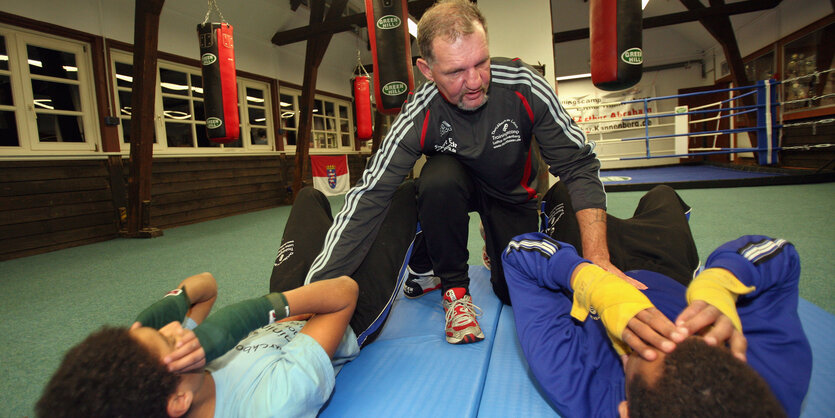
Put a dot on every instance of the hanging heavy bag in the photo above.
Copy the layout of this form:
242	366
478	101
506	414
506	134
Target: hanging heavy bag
362	107
220	88
392	53
615	33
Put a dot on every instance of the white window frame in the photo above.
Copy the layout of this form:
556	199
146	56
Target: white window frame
161	144
23	98
338	132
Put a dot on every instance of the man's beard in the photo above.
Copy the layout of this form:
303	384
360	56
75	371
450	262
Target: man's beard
462	106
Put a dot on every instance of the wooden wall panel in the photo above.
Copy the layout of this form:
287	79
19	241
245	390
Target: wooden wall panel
49	205
807	135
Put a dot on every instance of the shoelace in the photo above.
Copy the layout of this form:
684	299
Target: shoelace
470	310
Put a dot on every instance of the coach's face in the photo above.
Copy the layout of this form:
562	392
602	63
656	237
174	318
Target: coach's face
460	69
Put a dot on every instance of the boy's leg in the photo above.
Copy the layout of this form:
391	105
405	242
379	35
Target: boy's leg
304	236
656	238
379	273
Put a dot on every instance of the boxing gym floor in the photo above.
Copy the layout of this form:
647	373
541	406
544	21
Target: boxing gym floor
51	301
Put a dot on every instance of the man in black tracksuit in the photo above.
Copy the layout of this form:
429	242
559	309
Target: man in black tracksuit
479	159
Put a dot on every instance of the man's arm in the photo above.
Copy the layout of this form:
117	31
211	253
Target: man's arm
355	226
595	247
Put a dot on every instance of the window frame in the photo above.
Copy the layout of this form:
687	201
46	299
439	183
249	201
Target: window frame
337	119
23	106
161	142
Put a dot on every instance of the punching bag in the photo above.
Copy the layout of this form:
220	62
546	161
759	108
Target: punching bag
220	88
615	32
392	52
362	107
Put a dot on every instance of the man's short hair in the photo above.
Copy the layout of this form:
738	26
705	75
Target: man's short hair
449	19
108	374
700	380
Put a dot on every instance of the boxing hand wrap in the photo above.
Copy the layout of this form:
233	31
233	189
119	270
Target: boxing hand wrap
221	331
172	307
720	288
614	300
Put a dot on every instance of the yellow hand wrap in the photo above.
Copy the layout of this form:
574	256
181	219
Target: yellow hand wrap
614	300
720	288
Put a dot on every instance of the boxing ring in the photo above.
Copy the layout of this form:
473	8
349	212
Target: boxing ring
632	133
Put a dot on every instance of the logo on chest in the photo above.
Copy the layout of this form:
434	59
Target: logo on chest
505	132
449	145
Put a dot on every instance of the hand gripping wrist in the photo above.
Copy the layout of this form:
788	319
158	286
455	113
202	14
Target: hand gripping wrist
720	288
614	300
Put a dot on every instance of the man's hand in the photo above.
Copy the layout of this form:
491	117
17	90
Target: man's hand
188	354
608	266
650	328
700	315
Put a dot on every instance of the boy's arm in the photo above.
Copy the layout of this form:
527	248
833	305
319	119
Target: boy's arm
202	290
332	302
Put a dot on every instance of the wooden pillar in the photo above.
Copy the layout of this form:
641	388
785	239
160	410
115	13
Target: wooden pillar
146	39
316	48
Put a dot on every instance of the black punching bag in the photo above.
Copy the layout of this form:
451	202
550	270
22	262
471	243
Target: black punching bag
220	86
388	31
616	55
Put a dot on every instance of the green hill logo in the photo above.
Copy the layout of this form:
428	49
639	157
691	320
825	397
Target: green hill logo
214	123
633	56
389	22
395	88
208	59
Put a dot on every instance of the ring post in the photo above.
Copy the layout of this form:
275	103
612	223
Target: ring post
766	119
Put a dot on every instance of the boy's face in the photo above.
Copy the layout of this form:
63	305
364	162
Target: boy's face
161	342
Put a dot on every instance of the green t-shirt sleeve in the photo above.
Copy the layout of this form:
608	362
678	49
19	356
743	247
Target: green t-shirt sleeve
222	330
172	307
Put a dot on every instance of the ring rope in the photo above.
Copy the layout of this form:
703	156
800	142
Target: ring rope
816	74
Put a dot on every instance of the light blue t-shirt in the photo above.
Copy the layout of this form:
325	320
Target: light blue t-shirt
277	371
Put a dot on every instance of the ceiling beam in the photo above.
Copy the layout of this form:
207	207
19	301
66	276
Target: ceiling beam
343	24
682	17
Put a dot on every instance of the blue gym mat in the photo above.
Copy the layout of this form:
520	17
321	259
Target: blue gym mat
407	372
410	370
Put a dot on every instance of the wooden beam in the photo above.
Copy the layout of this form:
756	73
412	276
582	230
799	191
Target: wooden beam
681	17
316	48
146	40
339	24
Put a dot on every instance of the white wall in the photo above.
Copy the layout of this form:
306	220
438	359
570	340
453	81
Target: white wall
521	29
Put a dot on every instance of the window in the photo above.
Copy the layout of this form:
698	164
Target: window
46	94
333	125
801	61
180	114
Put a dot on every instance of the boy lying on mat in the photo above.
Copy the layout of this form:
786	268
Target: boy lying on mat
736	347
259	361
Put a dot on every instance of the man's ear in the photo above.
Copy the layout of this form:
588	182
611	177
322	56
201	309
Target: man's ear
425	69
179	402
623	409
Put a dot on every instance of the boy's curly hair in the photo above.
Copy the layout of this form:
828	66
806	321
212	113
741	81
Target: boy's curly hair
703	381
109	374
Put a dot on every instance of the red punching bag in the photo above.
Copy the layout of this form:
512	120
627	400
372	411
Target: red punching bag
220	88
362	107
615	33
392	53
